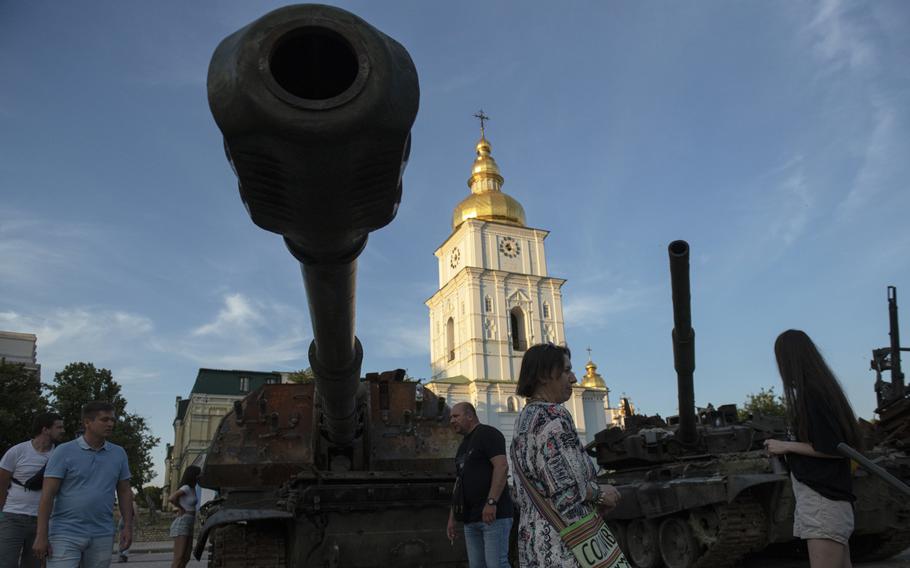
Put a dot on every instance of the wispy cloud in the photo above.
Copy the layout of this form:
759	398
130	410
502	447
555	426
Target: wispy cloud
838	39
237	312
882	160
34	250
66	335
791	214
248	333
594	309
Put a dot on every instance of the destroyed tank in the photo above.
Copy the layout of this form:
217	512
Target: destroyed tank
699	490
315	107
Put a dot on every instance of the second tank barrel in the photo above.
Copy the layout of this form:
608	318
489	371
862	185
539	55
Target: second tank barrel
683	339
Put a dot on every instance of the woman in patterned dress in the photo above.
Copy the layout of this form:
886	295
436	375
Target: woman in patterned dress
547	449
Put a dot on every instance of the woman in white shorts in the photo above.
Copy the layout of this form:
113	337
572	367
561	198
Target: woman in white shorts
820	418
182	527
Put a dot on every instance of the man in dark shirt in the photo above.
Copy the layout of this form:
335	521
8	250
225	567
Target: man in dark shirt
483	502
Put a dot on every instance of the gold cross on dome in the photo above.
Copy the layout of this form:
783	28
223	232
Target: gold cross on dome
481	117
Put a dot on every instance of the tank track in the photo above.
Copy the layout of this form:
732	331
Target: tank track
741	529
248	546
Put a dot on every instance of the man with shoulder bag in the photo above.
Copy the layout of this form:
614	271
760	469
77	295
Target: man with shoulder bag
21	477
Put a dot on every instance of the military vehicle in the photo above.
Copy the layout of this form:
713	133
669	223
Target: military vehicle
698	489
316	106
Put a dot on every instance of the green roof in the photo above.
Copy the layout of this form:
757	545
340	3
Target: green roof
218	381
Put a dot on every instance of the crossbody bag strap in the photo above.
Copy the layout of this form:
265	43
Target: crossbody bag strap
540	503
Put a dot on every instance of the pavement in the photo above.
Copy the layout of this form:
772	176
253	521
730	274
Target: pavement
159	555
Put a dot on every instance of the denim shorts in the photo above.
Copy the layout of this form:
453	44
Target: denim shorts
817	517
183	526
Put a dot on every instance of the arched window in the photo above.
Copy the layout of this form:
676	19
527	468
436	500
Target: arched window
450	339
517	321
513	406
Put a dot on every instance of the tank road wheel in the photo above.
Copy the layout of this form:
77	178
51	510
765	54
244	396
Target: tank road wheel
241	546
619	532
642	539
678	547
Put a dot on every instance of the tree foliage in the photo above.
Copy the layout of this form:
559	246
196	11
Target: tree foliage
79	383
765	402
302	376
22	400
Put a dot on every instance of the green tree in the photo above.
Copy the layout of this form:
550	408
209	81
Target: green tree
302	376
766	402
151	495
79	383
22	400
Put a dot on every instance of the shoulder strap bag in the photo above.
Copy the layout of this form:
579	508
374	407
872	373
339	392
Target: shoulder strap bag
589	539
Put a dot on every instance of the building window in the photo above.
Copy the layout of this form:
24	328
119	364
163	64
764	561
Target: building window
513	406
271	381
546	310
519	337
450	339
488	304
244	384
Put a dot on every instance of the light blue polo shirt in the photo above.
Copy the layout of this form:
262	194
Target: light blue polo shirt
85	503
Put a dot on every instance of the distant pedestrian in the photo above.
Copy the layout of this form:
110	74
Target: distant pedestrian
184	499
482	497
76	511
821	418
123	553
21	477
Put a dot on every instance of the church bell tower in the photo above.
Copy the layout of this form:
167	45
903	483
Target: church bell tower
495	299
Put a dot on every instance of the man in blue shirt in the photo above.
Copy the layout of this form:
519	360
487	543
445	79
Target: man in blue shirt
79	485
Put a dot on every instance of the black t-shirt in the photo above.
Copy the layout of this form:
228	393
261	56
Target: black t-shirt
472	465
830	477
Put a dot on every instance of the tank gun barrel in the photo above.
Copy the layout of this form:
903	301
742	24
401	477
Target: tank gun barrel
316	106
683	339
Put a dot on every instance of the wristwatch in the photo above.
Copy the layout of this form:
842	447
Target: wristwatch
491	501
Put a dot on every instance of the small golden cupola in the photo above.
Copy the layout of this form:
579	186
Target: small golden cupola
487	201
592	379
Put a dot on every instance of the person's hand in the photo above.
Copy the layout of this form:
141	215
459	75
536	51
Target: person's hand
489	514
42	548
179	511
126	538
609	498
450	529
776	447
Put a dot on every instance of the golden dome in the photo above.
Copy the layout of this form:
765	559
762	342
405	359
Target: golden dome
591	378
487	202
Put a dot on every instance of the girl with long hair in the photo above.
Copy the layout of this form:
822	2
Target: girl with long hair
820	418
184	499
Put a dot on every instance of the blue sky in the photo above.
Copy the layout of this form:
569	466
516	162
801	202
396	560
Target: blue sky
770	135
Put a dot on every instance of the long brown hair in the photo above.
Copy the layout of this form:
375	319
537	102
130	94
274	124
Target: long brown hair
805	376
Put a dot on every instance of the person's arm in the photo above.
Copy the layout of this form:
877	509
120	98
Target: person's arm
497	484
5	479
125	500
450	527
174	500
781	447
49	489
